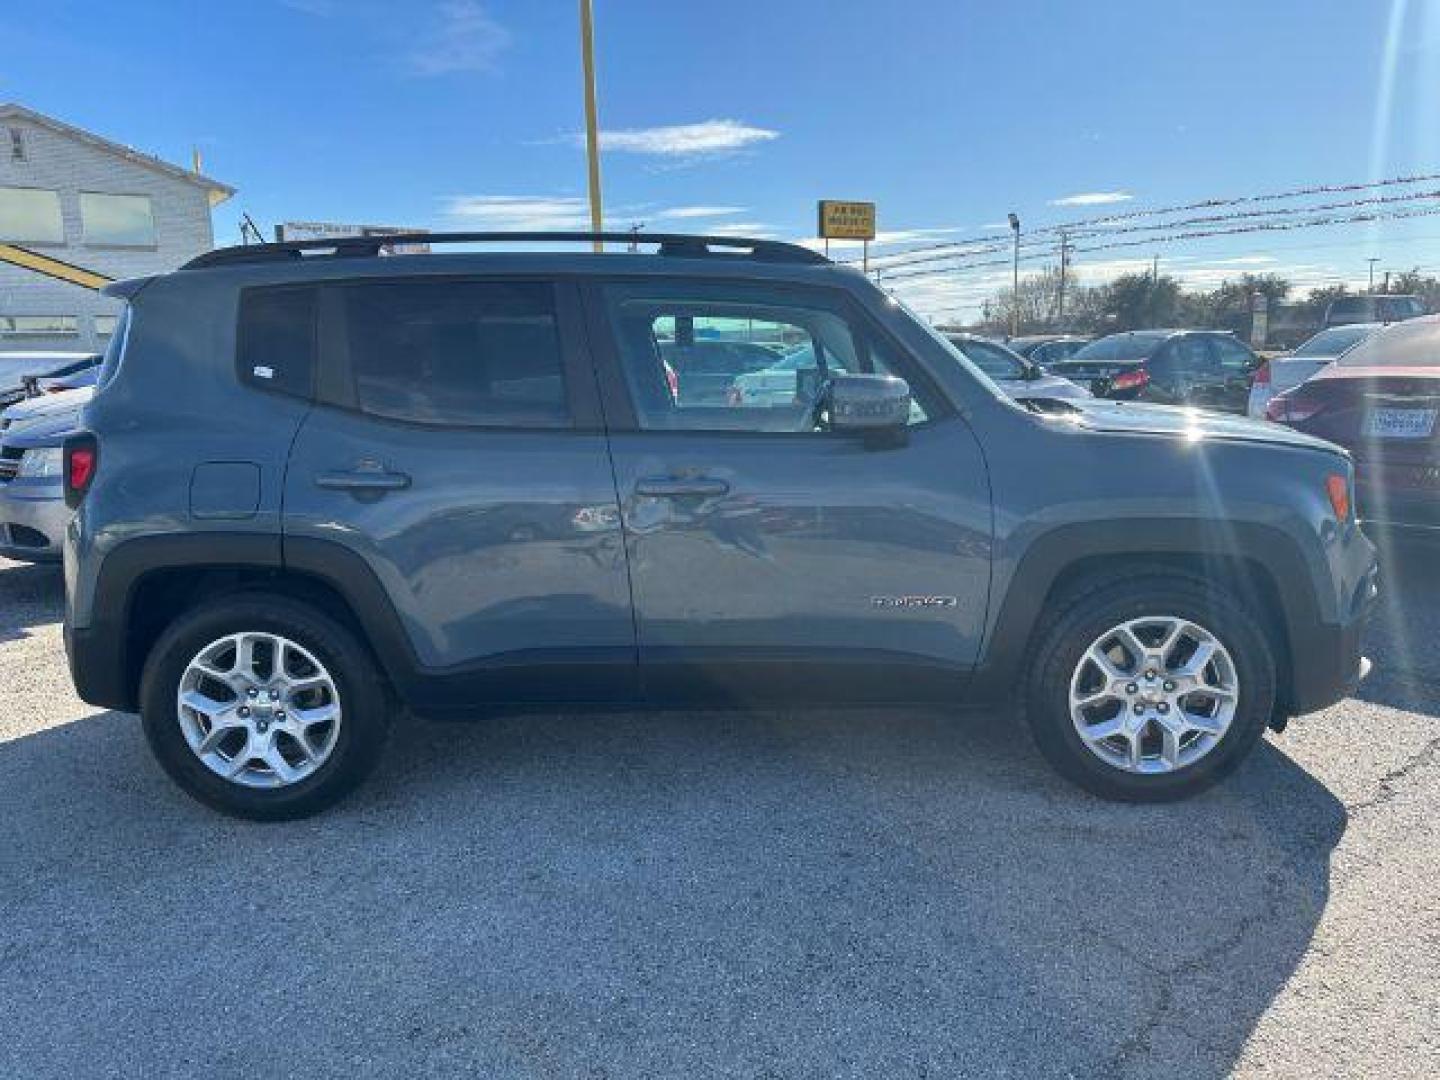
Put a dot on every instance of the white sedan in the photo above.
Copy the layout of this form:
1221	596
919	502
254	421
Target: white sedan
1289	371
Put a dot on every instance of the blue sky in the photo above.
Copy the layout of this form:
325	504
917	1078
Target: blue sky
738	115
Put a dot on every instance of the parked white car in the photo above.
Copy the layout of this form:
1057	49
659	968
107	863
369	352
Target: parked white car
1289	371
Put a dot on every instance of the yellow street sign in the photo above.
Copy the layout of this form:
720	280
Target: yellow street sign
847	220
44	264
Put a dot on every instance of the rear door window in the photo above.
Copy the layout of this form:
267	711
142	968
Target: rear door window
460	353
1235	359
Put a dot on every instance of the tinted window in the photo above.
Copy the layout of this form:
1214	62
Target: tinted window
736	358
457	352
1234	357
1193	355
276	339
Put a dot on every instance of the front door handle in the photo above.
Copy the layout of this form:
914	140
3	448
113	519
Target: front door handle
363	480
662	487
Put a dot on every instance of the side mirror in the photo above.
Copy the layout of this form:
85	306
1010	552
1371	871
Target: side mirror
868	404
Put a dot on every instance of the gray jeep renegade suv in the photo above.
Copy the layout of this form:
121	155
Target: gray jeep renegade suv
318	487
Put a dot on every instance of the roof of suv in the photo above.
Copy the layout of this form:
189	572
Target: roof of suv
367	256
672	245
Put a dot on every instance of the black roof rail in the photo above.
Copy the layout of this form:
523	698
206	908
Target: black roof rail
673	244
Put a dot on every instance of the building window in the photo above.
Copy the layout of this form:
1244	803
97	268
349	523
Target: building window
39	325
17	144
105	325
31	214
123	220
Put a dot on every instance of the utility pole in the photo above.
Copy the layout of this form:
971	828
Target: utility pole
635	232
1064	273
1155	269
592	125
1015	279
1372	263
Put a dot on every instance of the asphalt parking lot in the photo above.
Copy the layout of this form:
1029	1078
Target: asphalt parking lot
765	894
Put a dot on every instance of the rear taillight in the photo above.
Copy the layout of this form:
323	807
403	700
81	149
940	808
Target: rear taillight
1289	409
82	459
1131	380
1262	375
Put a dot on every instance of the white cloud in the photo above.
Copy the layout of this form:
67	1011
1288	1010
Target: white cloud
704	139
683	212
1093	198
756	230
520	213
460	36
541	213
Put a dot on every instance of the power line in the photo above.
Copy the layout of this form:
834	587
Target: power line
1262	227
1204	204
1208	219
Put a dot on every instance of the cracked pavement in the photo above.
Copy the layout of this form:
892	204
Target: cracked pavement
769	894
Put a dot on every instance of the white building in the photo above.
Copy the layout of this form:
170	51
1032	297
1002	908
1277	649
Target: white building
91	203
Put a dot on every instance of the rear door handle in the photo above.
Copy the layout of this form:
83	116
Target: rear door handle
362	480
662	487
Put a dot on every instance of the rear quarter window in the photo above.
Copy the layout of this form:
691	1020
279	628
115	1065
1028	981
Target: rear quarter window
276	339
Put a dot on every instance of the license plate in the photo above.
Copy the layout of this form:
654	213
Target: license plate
1400	423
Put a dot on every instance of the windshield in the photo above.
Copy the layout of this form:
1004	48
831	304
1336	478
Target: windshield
1336	341
1407	344
1119	348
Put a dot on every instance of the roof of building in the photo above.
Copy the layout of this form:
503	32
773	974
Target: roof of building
218	192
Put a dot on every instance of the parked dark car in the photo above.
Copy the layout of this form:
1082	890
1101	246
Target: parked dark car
1382	308
1043	350
316	493
1380	401
1204	369
1018	377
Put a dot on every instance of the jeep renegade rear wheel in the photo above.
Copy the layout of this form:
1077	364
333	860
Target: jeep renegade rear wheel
262	707
1150	689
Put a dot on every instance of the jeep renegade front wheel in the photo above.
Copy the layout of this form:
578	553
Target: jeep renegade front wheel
262	707
1150	689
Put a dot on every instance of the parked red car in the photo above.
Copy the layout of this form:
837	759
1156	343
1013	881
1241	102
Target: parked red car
1380	400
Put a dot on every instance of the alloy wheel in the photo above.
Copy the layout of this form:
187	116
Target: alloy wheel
259	710
1154	695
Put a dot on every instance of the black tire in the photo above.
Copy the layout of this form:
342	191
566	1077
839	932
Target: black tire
363	694
1071	624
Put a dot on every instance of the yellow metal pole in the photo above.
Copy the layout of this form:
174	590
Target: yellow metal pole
592	134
